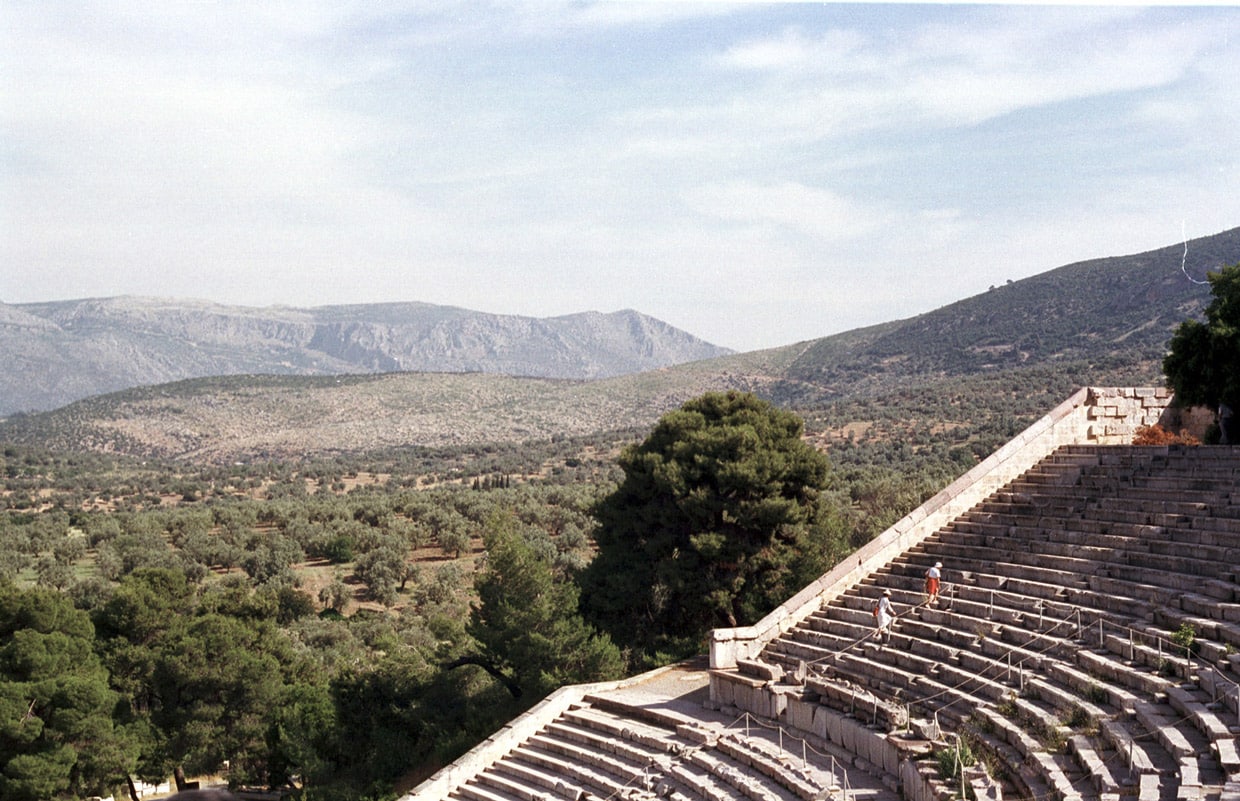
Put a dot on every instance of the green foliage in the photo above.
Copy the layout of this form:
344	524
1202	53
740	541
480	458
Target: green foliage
718	520
216	680
1186	637
526	620
383	571
1203	365
951	761
57	735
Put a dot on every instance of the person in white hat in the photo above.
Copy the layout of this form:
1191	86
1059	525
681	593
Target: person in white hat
933	576
884	613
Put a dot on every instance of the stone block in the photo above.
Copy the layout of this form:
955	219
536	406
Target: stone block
1147	788
828	726
891	756
722	691
800	714
1228	755
759	669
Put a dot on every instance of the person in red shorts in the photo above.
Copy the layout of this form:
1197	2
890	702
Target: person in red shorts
933	577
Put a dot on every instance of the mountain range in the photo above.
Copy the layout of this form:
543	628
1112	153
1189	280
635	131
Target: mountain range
58	352
1100	321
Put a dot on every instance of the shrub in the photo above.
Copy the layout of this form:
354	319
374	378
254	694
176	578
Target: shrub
1157	435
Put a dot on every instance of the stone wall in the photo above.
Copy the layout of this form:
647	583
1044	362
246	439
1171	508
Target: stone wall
1115	414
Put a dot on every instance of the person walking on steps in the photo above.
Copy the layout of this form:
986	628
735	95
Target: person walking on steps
933	576
884	613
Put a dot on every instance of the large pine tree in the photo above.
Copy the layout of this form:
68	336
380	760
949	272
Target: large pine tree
718	519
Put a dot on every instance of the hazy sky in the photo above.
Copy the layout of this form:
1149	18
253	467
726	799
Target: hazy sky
754	174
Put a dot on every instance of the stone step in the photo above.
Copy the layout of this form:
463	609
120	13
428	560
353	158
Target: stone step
475	790
579	763
511	778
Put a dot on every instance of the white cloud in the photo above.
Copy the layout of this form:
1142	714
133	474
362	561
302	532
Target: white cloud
819	213
834	52
714	164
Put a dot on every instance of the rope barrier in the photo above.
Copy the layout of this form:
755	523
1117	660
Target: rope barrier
1074	615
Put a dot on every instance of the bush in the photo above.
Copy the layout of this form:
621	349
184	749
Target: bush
1157	435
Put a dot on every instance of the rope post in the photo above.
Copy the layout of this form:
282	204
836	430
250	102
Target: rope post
1041	613
960	767
991	614
1132	647
1101	638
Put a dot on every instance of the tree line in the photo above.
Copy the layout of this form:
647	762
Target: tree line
174	631
348	626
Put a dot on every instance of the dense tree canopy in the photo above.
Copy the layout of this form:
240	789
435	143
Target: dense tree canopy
57	734
527	623
719	518
358	699
1203	365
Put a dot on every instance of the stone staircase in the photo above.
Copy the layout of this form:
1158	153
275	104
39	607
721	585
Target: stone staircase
648	738
1087	639
1076	569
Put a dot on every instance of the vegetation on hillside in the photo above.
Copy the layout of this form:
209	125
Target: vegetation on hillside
1203	365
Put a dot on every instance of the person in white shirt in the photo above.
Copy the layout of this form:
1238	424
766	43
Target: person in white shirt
884	613
933	576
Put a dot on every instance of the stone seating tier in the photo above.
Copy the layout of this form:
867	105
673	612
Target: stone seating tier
1029	587
602	748
952	699
1070	572
973	667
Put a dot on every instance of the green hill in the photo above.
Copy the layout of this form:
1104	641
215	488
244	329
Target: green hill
1125	307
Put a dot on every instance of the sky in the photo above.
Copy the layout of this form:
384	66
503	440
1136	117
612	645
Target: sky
756	175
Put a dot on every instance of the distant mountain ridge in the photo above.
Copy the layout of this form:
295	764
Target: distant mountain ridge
1100	321
58	352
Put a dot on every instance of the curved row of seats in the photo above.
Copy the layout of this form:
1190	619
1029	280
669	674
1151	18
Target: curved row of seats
1058	642
605	748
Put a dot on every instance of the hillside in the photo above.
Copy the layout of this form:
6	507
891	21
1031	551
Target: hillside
229	418
1123	306
59	352
1020	347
